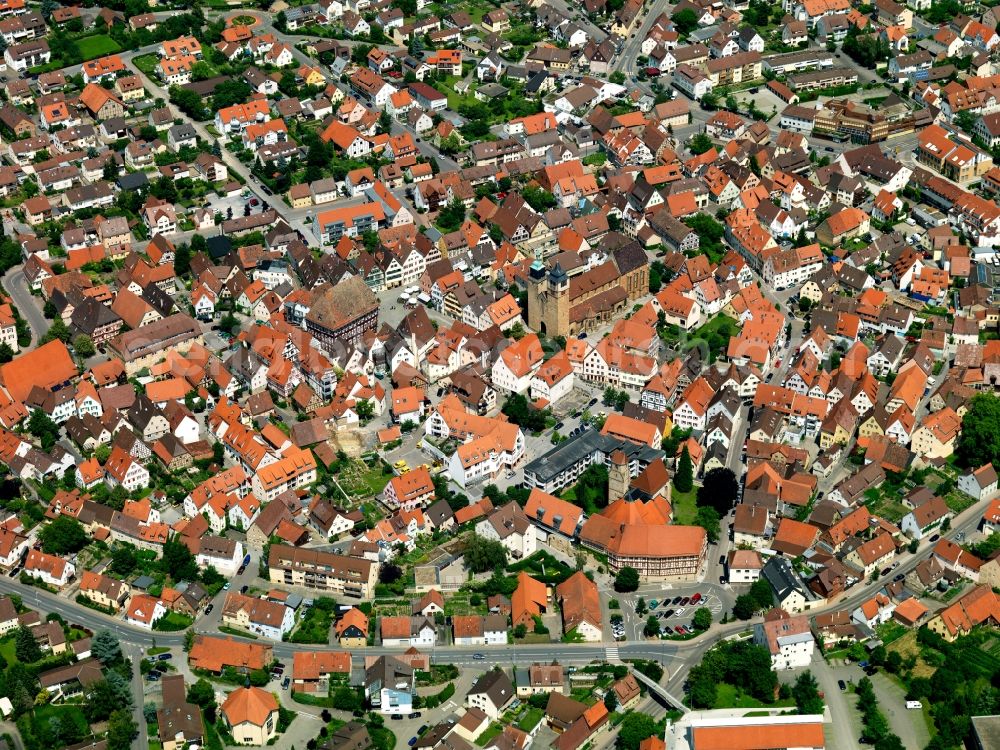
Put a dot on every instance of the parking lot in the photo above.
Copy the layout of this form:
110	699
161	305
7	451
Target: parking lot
674	613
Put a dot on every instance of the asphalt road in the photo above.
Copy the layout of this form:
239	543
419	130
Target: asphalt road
16	285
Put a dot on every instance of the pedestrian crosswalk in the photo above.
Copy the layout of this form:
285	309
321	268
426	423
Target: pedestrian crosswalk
611	653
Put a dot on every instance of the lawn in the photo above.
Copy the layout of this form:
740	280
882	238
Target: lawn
98	45
490	732
146	64
7	647
530	719
730	696
64	714
173	621
684	505
890	631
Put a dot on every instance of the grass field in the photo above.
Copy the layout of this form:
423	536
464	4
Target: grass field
98	45
684	505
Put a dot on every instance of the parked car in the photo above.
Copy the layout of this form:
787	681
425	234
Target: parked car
935	538
165	657
842	685
285	683
209	608
696	598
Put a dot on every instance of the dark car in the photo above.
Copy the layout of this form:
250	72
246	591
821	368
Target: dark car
478	657
285	683
898	577
935	537
685	601
559	426
412	741
722	559
592	402
842	685
886	571
241	571
415	715
669	613
677	600
397	717
165	657
209	608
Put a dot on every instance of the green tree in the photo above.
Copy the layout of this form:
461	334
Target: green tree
627	580
685	21
121	730
201	693
684	477
84	346
702	619
451	216
610	701
58	330
805	691
699	143
105	647
718	490
64	535
652	627
347	699
26	648
979	441
656	273
482	554
182	259
635	727
538	198
177	560
520	412
6	353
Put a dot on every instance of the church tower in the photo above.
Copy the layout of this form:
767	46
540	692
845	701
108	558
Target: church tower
557	308
538	285
618	477
548	299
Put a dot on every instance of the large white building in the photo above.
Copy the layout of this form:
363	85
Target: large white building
787	637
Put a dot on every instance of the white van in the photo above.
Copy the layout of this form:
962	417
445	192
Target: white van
914	704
